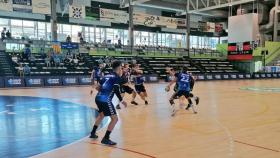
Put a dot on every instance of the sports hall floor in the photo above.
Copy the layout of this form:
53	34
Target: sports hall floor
239	119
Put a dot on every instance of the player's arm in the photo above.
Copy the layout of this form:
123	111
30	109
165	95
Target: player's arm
172	82
117	92
92	76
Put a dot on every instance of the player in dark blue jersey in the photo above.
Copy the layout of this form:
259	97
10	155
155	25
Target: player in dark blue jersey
97	74
172	72
125	88
139	83
183	80
108	90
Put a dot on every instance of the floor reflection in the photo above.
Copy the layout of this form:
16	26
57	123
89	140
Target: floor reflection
32	125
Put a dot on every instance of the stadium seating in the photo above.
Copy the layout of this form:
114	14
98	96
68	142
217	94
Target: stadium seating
39	68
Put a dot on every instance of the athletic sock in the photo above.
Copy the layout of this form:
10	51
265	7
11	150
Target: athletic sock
94	130
107	134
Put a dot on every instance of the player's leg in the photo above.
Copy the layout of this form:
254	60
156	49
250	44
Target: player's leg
109	110
122	94
144	93
178	94
133	97
106	139
190	105
133	93
98	119
96	124
181	102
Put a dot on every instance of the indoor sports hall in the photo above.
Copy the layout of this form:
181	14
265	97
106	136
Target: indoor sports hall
139	79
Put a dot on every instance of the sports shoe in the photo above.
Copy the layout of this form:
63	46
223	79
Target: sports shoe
189	106
118	107
196	100
93	136
134	103
146	102
108	142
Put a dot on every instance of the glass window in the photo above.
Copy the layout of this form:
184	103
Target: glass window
168	40
103	34
137	37
179	41
110	36
125	38
49	34
16	28
4	23
76	30
145	38
98	35
89	34
29	29
41	30
193	42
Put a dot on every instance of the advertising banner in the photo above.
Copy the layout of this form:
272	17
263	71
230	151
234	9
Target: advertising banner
241	76
22	6
209	77
85	80
41	6
200	77
14	82
240	51
71	80
34	81
145	19
226	76
210	27
92	13
115	16
77	12
53	81
218	27
218	77
6	5
248	76
69	45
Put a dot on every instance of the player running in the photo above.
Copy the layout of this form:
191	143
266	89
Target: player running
125	88
183	80
139	83
96	75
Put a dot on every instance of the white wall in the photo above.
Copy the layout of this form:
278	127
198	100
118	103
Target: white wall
243	28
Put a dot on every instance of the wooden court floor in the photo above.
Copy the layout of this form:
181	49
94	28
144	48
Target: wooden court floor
230	123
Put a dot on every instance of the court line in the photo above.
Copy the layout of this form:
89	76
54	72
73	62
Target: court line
229	137
128	150
256	146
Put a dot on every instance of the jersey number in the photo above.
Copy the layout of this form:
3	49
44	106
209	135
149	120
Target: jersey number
105	83
185	79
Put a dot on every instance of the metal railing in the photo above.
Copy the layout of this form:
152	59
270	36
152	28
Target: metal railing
110	49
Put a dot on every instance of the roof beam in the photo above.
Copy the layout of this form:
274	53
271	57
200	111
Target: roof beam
125	4
221	6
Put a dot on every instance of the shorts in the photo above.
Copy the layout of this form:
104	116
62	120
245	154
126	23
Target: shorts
98	80
140	88
126	89
107	108
182	93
